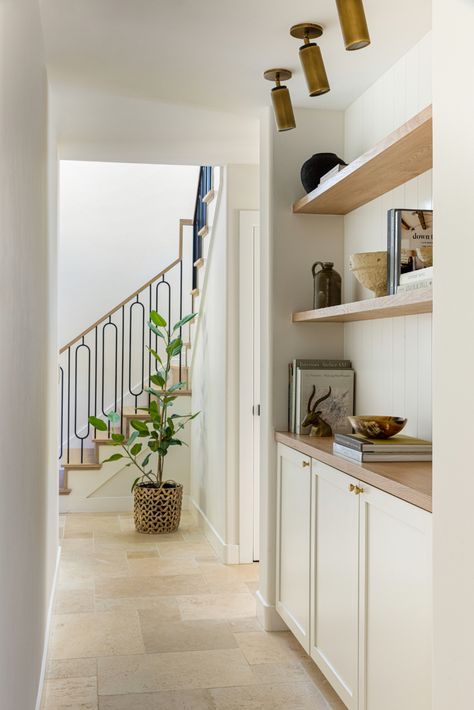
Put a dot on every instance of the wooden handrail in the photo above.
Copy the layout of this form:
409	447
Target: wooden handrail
182	223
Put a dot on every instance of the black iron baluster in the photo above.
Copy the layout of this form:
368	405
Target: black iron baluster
104	328
130	386
95	377
76	433
150	296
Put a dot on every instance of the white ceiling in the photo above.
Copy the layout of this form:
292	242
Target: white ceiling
213	52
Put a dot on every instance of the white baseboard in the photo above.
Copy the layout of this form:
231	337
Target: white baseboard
228	554
49	617
119	504
268	616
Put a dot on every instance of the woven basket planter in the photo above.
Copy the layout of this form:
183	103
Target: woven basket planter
157	510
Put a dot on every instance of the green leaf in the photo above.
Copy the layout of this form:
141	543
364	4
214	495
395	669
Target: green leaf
175	442
118	438
139	426
113	417
145	460
153	445
155	354
98	423
157	319
167	400
135	483
174	347
158	380
114	457
136	448
132	438
156	331
184	320
177	386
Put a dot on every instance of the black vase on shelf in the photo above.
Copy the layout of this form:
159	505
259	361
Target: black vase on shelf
326	285
317	166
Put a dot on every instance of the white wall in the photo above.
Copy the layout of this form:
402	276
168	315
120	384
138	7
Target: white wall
392	357
28	538
96	125
119	226
453	354
215	377
290	245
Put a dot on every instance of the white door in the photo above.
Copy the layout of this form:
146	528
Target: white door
249	385
293	541
395	604
334	579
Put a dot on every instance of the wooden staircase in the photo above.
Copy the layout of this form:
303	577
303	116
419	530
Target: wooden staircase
116	378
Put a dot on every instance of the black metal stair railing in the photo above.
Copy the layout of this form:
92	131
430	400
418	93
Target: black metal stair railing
108	366
200	215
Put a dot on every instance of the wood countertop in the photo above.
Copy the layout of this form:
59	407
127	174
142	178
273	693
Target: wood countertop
411	480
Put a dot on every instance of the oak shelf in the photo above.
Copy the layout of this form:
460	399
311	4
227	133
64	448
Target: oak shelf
401	156
401	304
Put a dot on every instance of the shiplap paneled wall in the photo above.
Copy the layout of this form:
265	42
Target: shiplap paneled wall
392	357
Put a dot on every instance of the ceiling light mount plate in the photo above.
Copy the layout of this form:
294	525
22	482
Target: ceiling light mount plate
305	30
277	74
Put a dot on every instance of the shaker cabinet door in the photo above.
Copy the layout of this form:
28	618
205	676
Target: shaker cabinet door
293	541
395	604
334	579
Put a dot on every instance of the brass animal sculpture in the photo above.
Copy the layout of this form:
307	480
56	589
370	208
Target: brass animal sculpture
314	419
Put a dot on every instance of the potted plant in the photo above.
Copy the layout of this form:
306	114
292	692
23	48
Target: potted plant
157	502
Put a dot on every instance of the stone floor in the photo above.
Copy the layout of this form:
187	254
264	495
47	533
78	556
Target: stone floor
158	623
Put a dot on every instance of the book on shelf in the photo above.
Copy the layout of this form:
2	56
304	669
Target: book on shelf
331	173
415	286
396	444
308	364
313	384
377	456
417	275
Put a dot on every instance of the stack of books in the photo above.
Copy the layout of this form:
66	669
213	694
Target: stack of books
356	447
412	280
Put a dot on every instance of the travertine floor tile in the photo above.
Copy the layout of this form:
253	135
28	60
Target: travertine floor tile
166	607
265	647
292	672
71	694
75	668
162	636
165	700
244	624
173	671
92	523
96	634
184	550
125	540
158	567
80	566
166	585
217	606
281	696
139	555
74	600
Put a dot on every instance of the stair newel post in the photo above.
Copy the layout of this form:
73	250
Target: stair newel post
122	367
68	401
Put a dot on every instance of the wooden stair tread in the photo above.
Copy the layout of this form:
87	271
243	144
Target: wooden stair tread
89	459
64	491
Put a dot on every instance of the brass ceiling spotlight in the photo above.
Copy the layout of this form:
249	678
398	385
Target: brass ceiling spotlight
311	57
353	24
282	108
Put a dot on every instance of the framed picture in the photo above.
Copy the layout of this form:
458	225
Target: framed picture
409	244
331	391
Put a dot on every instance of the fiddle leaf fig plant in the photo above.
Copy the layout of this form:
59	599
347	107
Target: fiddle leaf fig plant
161	429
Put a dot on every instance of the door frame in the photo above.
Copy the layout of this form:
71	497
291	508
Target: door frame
249	385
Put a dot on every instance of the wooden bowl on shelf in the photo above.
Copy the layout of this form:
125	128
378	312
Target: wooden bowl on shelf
377	427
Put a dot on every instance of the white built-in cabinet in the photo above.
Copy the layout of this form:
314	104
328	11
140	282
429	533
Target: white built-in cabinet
354	583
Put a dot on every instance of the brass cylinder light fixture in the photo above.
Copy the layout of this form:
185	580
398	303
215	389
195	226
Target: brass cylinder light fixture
282	108
311	57
353	24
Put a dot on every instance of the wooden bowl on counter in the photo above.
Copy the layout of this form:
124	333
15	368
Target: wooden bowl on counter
377	427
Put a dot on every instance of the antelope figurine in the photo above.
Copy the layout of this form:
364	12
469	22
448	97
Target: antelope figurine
313	418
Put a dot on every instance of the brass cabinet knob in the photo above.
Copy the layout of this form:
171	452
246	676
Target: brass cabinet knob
305	463
351	488
355	489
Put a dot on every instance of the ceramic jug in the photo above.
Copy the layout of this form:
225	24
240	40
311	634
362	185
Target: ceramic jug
327	285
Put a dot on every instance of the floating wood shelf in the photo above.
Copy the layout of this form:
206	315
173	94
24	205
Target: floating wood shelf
401	156
402	304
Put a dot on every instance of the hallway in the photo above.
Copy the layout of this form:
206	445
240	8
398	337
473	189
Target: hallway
158	622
